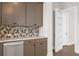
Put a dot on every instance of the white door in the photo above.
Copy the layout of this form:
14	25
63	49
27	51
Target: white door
59	29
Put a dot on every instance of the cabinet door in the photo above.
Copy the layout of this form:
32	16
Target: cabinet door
19	13
13	13
29	48
29	51
1	49
0	12
38	51
41	47
7	13
41	51
34	13
44	51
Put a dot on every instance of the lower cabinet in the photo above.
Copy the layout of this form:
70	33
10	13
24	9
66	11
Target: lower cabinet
1	49
29	48
40	47
41	51
36	47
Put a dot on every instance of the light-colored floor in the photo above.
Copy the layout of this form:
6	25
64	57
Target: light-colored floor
66	51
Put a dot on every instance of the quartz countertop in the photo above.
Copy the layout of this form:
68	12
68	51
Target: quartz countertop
3	40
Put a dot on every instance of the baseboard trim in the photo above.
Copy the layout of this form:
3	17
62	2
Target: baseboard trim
69	43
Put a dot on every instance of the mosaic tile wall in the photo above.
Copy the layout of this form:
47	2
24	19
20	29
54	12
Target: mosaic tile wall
18	31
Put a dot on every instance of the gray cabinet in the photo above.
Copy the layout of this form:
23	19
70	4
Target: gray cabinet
0	12
1	49
34	13
21	13
35	47
41	47
29	48
13	13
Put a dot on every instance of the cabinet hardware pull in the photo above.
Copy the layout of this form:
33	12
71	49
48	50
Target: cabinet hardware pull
41	43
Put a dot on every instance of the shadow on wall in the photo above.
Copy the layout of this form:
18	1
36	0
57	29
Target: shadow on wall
53	29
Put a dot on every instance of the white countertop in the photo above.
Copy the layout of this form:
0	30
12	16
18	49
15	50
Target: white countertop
2	40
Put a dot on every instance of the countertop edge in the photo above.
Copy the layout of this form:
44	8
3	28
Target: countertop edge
4	40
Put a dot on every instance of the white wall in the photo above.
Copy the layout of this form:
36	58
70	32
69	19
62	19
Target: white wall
71	25
74	4
59	5
47	29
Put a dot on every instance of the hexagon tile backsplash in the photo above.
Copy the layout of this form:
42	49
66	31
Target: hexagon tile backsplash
8	31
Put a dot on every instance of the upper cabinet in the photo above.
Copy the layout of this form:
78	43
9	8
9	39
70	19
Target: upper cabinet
21	13
0	12
13	13
34	13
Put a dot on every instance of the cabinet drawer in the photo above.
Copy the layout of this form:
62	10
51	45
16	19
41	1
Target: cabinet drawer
41	42
29	42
